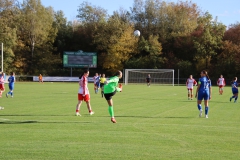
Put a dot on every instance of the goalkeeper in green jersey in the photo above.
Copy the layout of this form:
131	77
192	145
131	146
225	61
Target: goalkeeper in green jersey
110	89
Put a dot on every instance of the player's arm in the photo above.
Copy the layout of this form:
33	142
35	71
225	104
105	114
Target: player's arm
84	86
199	83
210	90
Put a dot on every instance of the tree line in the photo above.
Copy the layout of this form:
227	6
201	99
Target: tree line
173	36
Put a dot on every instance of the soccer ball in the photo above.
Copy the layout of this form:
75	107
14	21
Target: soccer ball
136	33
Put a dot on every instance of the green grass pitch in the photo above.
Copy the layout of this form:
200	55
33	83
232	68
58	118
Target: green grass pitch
156	122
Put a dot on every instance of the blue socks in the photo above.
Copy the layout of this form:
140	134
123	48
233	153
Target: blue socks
206	110
199	107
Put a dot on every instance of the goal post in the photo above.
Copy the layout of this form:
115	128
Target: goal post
158	76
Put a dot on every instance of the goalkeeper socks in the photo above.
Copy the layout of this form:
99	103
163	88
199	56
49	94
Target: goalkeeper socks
110	110
206	110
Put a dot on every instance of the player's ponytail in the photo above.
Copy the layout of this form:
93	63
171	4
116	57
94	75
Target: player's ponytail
85	71
206	74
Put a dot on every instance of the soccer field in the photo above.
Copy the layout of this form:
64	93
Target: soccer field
156	122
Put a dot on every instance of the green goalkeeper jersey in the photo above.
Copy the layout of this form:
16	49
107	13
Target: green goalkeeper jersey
112	85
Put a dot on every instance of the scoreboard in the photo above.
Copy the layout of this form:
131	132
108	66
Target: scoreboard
80	59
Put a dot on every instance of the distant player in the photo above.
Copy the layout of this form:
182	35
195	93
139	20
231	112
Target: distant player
2	88
96	81
190	83
221	83
40	78
204	91
102	81
148	80
234	89
11	81
83	93
110	89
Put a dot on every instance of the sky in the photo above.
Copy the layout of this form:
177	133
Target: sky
226	11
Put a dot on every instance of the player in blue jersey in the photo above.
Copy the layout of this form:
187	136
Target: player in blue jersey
11	81
234	85
96	81
204	91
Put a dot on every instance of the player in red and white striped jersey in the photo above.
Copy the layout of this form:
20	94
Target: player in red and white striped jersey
83	93
190	82
2	88
221	83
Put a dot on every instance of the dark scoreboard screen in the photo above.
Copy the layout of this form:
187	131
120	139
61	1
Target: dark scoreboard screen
80	59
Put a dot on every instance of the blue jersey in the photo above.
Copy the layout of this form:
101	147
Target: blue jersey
203	92
11	80
205	84
234	87
97	79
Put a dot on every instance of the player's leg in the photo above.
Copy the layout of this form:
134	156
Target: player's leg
2	89
191	93
10	91
234	93
199	102
111	111
188	93
95	87
236	97
206	99
108	97
87	100
80	99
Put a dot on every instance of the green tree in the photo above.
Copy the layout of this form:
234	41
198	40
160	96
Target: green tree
36	32
116	42
209	40
8	32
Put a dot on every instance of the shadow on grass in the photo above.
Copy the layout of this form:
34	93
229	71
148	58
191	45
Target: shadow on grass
17	122
30	122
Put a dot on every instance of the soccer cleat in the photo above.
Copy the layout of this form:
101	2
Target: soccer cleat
206	116
78	114
91	113
200	113
230	99
113	120
7	95
235	101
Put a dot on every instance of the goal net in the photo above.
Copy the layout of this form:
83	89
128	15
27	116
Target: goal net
158	76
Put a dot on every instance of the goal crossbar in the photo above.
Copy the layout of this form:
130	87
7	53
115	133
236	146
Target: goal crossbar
158	76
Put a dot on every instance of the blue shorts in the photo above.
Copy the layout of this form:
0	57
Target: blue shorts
203	95
11	87
98	84
234	91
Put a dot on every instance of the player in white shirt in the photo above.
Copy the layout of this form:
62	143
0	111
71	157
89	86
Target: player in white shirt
190	83
221	83
96	81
